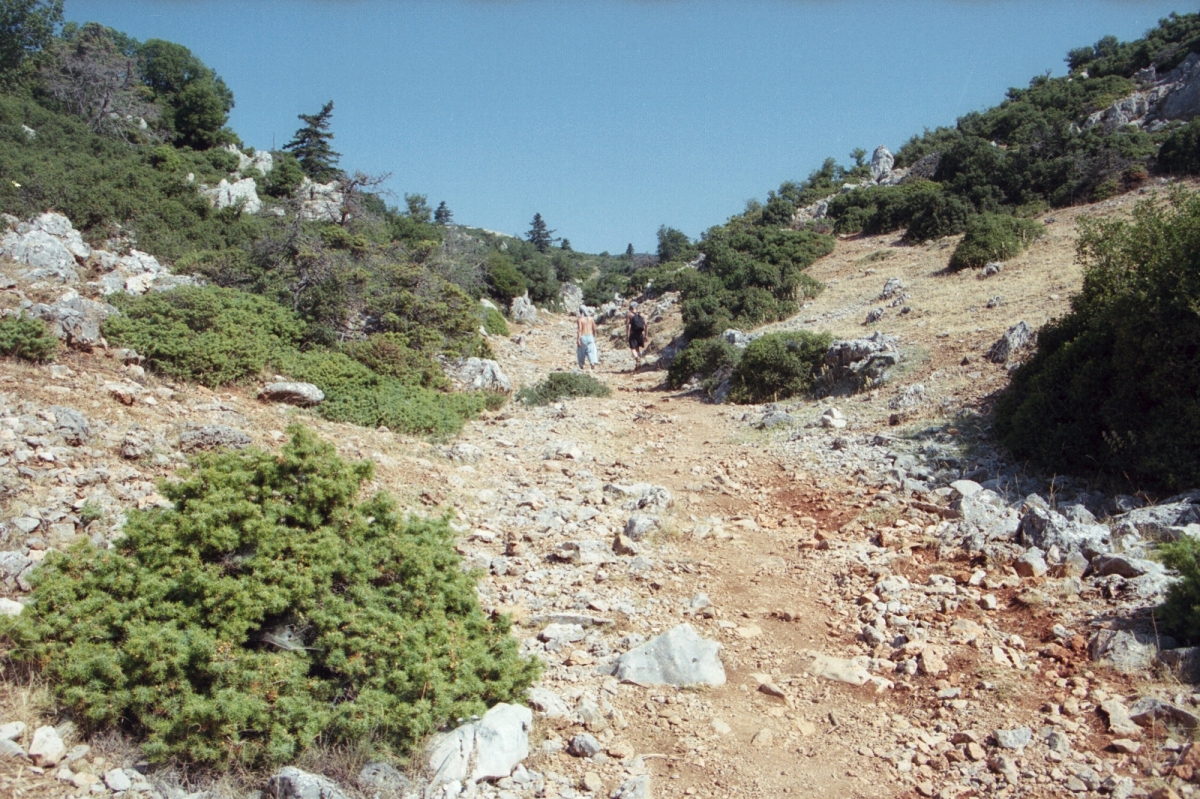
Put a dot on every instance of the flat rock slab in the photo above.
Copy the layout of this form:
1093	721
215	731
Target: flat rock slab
212	436
488	749
303	394
677	657
852	672
292	783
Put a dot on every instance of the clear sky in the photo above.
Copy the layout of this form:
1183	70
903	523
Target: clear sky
612	118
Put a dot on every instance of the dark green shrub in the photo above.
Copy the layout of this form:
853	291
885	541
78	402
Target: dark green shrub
493	322
882	209
1180	153
704	358
779	365
604	287
944	215
268	608
1114	387
209	335
504	282
1179	615
355	394
994	237
389	355
285	176
27	339
563	385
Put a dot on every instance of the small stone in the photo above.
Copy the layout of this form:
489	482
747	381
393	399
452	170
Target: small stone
721	727
931	661
623	545
583	745
1126	746
83	779
1031	564
47	748
988	602
1018	738
117	780
592	783
976	752
620	750
763	738
12	730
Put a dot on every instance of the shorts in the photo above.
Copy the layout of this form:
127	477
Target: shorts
637	341
587	350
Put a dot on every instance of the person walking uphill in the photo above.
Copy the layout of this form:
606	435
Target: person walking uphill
585	339
635	331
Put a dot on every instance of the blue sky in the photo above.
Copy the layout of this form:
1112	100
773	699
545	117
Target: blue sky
612	118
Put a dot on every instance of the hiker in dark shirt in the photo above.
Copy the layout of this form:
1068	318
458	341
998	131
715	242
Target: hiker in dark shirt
635	331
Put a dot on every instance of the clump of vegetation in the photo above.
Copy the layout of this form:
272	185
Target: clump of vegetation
994	237
267	608
704	358
883	209
1180	153
358	395
752	274
493	322
27	339
563	385
779	365
1180	613
1114	387
208	335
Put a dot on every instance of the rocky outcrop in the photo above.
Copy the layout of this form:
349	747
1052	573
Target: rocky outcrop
320	202
1015	340
477	374
858	364
74	319
242	193
1159	100
48	246
881	164
572	296
523	310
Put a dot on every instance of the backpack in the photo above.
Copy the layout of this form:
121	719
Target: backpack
637	324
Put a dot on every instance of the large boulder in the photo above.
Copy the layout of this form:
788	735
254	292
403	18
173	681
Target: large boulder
571	295
1017	338
243	192
321	202
292	783
1184	100
881	164
1127	651
289	393
523	310
857	364
46	256
678	657
477	374
488	749
1044	528
74	319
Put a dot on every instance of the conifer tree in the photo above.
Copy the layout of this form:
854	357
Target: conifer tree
311	147
539	235
443	215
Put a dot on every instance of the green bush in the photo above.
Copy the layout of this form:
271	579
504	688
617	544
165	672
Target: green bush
1180	153
1179	614
390	355
882	209
702	357
563	385
209	335
504	282
27	339
1114	387
266	609
356	394
751	275
493	322
994	237
943	215
779	365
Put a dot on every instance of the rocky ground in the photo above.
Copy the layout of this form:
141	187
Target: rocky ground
899	611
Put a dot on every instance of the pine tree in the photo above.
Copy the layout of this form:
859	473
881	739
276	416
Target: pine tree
311	147
629	251
565	244
443	215
539	235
